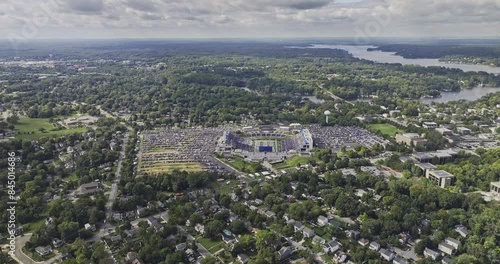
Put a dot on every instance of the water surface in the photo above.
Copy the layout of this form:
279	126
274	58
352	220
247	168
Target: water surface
361	52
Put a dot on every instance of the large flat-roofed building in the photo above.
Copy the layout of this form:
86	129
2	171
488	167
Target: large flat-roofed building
440	156
444	131
266	143
495	187
441	177
88	188
463	131
422	157
411	139
425	167
429	125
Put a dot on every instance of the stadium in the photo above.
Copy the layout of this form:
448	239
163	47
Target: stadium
270	143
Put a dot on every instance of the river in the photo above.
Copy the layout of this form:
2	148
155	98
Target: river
391	57
361	52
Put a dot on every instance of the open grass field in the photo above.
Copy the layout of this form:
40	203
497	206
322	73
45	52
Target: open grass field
242	165
385	128
293	162
169	167
30	128
31	227
223	187
211	245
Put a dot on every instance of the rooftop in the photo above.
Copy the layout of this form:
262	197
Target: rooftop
425	166
441	174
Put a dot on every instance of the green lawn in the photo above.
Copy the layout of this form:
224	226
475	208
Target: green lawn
223	188
29	128
241	165
385	128
169	167
31	227
35	256
293	162
71	177
211	245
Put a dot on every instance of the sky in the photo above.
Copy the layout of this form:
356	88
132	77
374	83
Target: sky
362	19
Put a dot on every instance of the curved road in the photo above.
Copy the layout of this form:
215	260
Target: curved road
22	258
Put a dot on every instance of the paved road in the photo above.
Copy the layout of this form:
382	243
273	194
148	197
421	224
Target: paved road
321	86
163	215
224	166
114	186
22	258
410	254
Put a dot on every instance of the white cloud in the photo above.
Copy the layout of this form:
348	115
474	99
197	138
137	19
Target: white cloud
254	18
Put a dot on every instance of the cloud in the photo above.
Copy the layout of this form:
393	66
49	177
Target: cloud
142	5
254	18
86	6
304	4
152	17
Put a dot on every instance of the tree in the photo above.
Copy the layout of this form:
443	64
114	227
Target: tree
13	119
99	253
214	228
266	239
238	227
176	258
195	218
421	245
68	230
465	259
4	258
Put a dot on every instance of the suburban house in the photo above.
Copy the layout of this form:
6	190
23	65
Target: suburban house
200	228
43	251
56	242
446	260
243	258
364	242
131	233
298	226
387	254
446	248
180	247
155	223
322	221
374	246
462	230
87	188
228	237
285	252
90	227
399	260
331	247
308	232
353	234
318	240
429	253
453	242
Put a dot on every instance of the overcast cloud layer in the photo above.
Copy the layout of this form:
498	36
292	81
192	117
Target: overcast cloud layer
248	18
